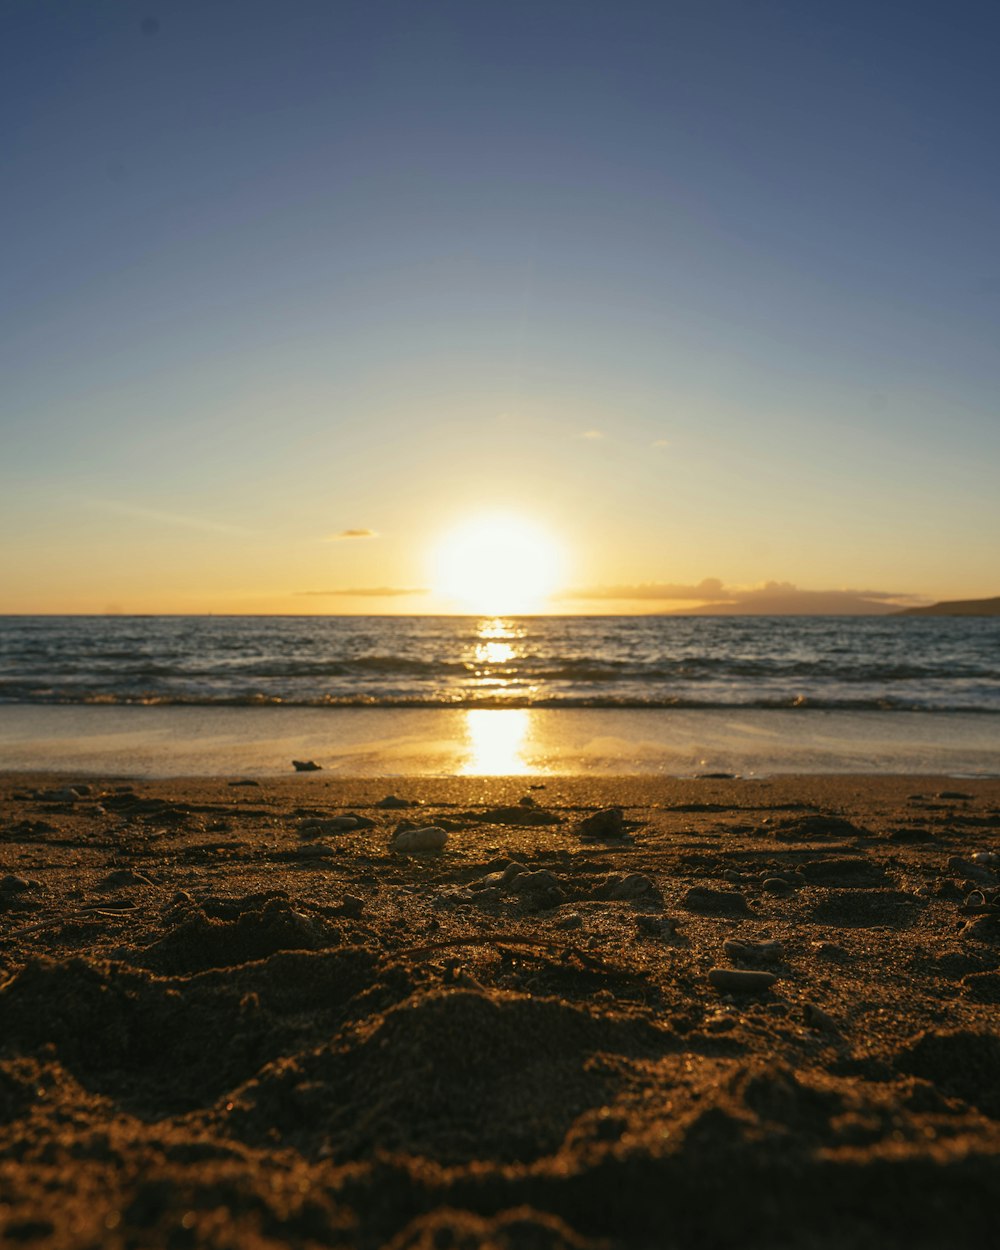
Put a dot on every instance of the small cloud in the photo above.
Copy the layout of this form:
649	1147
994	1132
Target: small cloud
660	443
368	592
592	435
336	538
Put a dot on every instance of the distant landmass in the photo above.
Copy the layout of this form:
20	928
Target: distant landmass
957	607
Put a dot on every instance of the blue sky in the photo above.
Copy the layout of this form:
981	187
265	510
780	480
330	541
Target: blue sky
277	270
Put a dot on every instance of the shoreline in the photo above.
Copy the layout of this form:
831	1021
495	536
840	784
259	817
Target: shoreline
179	741
230	1017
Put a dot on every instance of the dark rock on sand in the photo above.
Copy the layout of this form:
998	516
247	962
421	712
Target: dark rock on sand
710	902
524	817
606	825
306	766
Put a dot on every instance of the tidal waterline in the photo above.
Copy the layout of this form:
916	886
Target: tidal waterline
172	741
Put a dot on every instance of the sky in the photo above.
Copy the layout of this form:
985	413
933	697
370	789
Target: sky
701	297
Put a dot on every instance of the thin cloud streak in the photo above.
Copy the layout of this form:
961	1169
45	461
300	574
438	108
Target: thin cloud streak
355	533
175	519
709	588
368	592
711	596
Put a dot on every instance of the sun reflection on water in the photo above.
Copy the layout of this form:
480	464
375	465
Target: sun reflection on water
496	741
495	647
494	652
497	738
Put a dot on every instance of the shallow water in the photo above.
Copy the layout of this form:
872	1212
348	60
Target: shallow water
364	742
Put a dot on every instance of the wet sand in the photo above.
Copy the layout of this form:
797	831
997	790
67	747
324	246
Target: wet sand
225	1023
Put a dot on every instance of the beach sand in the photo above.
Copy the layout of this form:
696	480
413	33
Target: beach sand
221	1025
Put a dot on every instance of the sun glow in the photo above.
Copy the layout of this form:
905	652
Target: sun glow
497	564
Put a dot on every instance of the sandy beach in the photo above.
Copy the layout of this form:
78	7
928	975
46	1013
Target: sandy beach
747	1013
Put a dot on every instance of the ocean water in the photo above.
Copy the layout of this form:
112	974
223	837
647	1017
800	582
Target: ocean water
848	663
405	696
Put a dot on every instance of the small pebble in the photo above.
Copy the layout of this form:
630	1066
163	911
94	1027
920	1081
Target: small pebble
985	928
362	822
314	850
715	902
978	869
741	981
535	882
655	926
817	1018
635	885
125	876
430	838
314	826
64	794
391	800
777	885
16	885
767	952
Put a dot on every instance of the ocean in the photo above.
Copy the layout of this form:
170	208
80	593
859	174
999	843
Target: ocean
655	693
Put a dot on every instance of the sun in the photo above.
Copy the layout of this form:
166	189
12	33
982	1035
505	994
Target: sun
497	565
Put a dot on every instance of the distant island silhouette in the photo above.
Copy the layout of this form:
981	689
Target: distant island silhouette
957	607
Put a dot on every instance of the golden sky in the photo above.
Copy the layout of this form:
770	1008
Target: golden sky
705	306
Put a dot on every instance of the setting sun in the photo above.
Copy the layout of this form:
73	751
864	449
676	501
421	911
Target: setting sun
496	564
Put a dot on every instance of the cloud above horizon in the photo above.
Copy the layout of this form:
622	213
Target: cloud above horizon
368	592
353	533
770	598
710	588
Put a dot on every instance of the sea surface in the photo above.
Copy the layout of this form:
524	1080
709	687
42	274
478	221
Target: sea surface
855	663
407	696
